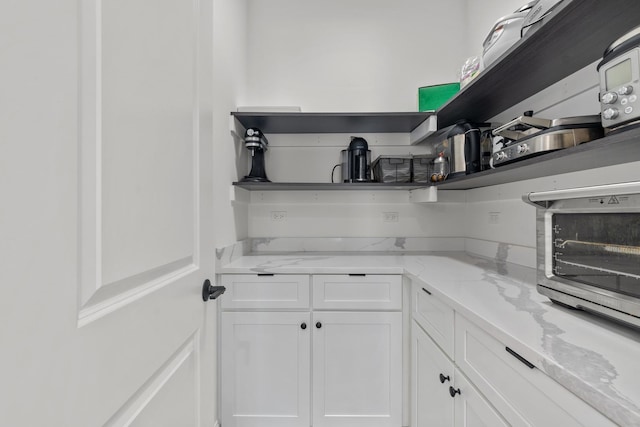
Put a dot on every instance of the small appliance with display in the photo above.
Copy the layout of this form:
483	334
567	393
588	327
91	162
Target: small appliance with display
620	81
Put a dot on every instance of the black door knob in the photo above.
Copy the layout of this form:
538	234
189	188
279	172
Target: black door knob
303	326
318	325
443	378
211	292
453	391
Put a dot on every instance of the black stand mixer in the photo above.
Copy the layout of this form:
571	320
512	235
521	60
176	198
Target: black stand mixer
256	143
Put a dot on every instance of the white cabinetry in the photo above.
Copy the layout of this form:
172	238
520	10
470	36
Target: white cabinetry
265	369
323	350
523	394
432	372
487	383
440	394
473	410
357	369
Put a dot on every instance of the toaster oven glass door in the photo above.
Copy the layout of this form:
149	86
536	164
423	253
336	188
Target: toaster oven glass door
598	249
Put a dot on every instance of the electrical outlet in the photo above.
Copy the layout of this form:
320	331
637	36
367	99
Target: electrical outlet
494	218
278	216
390	216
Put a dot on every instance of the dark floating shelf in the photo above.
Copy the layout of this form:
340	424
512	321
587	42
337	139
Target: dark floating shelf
575	36
332	122
614	149
321	186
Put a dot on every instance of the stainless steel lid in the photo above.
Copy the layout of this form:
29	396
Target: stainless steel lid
577	120
527	126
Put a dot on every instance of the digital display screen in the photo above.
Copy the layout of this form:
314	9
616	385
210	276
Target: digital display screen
618	75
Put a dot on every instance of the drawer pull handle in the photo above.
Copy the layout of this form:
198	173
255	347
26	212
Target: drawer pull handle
443	378
454	391
265	274
428	293
318	325
357	274
303	326
520	358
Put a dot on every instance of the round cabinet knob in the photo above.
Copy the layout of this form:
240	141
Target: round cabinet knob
453	391
303	326
625	90
610	113
318	325
609	98
443	378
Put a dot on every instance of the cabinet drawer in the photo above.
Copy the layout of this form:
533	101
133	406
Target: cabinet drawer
434	316
369	292
265	292
524	395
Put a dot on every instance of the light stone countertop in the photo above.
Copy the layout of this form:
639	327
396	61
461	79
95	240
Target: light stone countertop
597	360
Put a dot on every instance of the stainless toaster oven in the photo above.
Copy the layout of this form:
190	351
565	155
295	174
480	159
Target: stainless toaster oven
588	246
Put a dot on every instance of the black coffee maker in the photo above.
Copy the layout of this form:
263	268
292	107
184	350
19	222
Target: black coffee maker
356	161
256	143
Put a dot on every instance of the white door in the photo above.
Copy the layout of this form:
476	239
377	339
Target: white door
265	370
106	216
431	376
357	369
471	409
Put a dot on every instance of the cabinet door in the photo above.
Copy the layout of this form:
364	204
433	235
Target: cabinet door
265	369
357	369
431	376
472	410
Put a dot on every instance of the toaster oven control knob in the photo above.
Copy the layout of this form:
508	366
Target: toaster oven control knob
609	98
610	113
625	90
501	155
522	148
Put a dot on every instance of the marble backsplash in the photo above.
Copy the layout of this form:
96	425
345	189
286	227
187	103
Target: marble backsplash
500	252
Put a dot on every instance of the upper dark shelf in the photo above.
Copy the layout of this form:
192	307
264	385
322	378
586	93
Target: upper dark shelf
575	36
332	122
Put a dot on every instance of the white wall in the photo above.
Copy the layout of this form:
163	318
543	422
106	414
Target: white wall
358	55
351	55
229	45
355	214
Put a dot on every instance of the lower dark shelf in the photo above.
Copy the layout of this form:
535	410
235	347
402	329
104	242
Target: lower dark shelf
619	148
615	149
320	186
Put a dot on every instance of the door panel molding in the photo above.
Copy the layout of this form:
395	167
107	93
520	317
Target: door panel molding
98	297
136	404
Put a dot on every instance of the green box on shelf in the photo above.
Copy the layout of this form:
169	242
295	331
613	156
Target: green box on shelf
431	98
